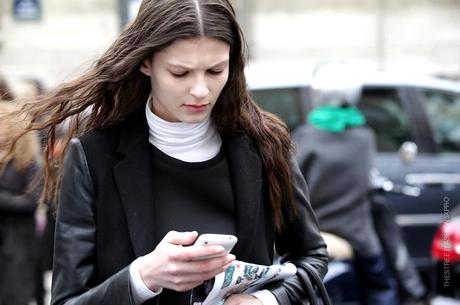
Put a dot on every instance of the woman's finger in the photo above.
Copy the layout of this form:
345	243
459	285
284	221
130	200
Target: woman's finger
195	253
213	265
180	238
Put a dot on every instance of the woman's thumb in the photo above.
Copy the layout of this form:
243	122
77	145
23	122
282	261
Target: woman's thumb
180	238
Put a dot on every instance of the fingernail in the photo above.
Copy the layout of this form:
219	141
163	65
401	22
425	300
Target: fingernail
219	249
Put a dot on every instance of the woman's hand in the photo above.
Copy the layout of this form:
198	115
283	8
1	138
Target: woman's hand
242	299
175	267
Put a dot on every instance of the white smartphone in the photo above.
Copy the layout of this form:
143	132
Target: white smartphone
225	240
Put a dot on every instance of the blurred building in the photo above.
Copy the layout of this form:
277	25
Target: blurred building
65	38
411	35
421	36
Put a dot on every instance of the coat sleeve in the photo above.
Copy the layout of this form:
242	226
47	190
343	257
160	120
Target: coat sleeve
74	271
299	243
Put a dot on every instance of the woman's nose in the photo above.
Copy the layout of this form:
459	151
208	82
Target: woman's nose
199	89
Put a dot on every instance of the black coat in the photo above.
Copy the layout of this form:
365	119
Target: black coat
104	221
18	242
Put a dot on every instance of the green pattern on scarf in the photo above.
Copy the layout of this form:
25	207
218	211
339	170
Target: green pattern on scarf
335	119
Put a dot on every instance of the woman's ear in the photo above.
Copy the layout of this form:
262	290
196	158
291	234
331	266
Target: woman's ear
146	67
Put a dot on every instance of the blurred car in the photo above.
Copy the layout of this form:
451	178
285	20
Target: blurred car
445	251
417	126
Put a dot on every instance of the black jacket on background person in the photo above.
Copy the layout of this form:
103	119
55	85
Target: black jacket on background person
104	218
18	241
337	167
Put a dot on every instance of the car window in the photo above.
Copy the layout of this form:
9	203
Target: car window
385	114
443	111
284	102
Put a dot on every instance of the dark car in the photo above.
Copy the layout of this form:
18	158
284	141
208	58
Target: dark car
417	126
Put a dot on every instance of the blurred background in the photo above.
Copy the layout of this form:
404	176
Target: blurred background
54	40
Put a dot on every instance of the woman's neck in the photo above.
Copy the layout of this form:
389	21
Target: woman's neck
190	142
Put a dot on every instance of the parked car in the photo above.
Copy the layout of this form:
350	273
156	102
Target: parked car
417	126
446	254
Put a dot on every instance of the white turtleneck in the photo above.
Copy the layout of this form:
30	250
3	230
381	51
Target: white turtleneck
190	142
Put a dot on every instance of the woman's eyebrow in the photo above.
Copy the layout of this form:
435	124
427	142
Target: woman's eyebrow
182	66
224	62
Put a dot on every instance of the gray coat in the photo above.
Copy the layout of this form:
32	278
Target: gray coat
336	167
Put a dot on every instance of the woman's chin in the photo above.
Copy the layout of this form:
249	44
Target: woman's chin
194	118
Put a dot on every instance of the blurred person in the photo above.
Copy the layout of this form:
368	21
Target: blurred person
173	144
18	203
5	92
27	89
30	88
335	151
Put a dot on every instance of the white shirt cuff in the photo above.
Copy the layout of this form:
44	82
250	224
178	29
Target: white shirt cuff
140	292
265	297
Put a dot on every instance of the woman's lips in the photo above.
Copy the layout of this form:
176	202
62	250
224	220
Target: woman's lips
196	108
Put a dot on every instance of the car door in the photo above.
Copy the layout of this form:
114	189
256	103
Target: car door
441	107
397	114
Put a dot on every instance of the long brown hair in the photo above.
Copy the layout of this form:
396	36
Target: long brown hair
114	87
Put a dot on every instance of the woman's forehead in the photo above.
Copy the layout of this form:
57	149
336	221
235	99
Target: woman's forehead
195	52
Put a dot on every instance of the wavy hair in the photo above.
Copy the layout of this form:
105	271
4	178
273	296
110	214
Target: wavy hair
114	87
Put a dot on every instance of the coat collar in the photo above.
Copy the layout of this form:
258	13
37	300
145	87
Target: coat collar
133	177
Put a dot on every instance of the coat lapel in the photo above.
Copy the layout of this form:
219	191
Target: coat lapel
134	181
246	172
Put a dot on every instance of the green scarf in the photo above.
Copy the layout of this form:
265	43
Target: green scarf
335	119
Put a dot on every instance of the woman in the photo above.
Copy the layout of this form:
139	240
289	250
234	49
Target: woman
173	145
18	204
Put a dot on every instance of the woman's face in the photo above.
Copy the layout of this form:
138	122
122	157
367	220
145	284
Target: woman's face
187	78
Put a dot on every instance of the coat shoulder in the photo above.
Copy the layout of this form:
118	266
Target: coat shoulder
101	141
109	139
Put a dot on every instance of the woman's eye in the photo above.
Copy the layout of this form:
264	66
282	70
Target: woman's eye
179	74
215	72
